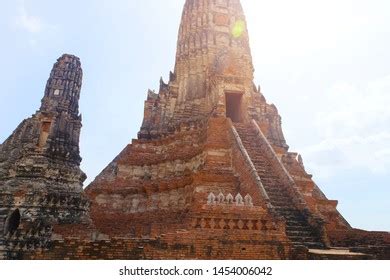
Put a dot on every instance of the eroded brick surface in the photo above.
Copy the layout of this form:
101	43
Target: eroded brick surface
209	177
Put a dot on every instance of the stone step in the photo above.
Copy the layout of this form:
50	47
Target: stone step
303	239
274	181
291	228
271	182
274	191
279	203
280	195
292	215
299	233
287	210
336	254
296	223
310	245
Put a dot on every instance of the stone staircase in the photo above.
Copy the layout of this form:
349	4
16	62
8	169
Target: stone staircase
298	229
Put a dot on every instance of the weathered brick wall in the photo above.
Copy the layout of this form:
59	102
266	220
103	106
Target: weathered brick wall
149	184
376	244
356	238
200	244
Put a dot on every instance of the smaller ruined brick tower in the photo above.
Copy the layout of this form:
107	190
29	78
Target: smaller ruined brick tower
40	176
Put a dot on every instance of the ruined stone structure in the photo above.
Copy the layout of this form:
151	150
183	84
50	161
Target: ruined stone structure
209	177
40	178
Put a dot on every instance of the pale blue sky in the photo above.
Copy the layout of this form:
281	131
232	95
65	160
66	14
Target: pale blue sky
325	64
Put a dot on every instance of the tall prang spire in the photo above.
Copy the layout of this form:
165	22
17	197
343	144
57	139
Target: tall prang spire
213	59
213	41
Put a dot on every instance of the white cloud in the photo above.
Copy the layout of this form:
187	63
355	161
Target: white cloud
307	25
32	24
354	125
350	109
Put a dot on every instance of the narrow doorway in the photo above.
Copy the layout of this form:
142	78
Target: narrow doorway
233	106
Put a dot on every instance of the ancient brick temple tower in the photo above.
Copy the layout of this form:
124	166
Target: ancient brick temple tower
209	177
211	169
40	178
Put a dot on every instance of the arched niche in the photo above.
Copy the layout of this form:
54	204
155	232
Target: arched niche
12	222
